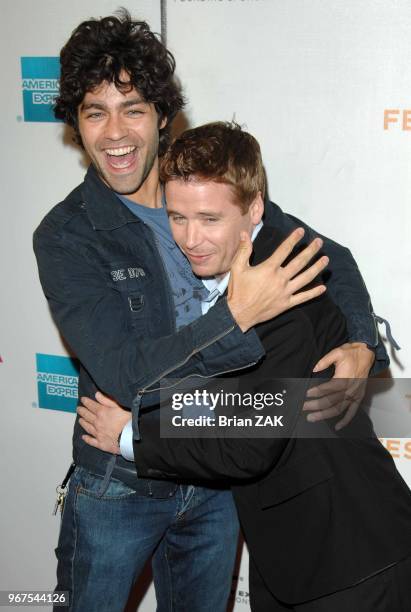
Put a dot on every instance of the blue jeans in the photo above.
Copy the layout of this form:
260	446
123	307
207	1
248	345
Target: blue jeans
106	539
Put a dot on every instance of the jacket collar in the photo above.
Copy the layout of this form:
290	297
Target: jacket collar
268	239
104	208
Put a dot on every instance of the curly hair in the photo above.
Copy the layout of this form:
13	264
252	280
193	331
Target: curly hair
101	50
221	152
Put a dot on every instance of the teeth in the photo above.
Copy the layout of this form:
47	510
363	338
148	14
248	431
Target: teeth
120	151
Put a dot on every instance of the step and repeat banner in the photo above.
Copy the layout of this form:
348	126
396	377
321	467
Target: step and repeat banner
324	86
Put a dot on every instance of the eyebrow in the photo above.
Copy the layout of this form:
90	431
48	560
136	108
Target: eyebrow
170	211
101	106
203	213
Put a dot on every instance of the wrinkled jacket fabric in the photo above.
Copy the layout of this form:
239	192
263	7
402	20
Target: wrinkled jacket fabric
110	298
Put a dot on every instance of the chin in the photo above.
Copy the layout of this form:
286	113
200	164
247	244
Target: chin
204	272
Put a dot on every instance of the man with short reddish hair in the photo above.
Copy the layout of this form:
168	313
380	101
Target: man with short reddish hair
327	519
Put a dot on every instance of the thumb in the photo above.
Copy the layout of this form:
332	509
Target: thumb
243	254
325	362
105	401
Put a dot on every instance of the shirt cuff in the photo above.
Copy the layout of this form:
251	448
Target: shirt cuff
126	441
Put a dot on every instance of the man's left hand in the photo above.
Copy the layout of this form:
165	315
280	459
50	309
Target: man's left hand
343	393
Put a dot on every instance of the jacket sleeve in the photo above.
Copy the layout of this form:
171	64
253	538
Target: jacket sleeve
289	362
203	458
83	307
345	286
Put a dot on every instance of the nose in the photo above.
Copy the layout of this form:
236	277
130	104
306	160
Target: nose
193	235
116	128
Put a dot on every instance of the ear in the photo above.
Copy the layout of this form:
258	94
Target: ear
162	124
256	209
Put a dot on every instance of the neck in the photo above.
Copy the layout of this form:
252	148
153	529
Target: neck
149	194
219	277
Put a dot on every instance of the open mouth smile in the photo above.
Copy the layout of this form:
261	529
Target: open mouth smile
121	157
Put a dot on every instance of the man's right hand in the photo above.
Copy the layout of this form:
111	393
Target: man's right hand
259	293
103	420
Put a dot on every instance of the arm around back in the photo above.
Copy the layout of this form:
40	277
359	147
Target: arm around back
291	351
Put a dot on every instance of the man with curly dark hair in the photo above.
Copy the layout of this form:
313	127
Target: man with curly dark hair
124	298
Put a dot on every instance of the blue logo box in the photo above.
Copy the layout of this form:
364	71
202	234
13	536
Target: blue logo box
57	382
40	86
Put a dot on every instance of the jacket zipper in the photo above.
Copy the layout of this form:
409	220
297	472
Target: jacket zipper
248	365
141	392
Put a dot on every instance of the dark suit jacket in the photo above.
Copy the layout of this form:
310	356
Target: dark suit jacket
318	514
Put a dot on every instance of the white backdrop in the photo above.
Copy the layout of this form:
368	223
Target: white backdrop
313	81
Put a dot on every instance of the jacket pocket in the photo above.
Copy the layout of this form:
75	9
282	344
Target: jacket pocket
290	481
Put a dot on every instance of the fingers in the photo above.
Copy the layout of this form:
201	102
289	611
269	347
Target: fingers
306	296
328	388
106	401
326	361
308	275
88	427
102	400
283	251
329	413
90	404
324	403
106	445
348	417
91	441
243	253
301	260
87	414
354	388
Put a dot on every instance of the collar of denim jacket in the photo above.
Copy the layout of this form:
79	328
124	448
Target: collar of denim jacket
104	208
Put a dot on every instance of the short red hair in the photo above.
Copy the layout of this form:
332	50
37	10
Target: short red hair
220	152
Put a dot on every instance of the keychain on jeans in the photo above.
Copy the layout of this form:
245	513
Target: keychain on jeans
61	491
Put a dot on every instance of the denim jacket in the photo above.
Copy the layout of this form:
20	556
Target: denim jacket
346	287
110	298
